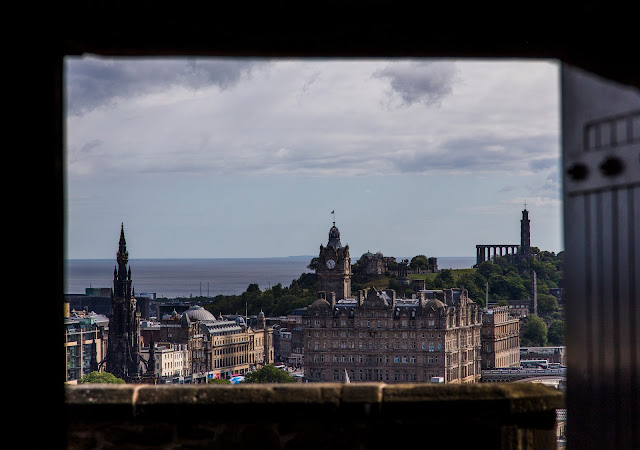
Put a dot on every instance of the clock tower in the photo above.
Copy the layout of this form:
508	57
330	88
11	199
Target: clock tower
334	266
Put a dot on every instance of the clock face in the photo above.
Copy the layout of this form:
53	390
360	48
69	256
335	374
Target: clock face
331	264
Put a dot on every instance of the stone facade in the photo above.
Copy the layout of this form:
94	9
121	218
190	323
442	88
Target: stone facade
500	338
217	348
288	343
403	272
232	347
374	263
171	360
519	307
377	337
334	266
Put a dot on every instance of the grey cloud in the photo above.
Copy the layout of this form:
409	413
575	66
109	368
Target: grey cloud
312	80
427	82
548	188
94	83
543	164
89	146
476	154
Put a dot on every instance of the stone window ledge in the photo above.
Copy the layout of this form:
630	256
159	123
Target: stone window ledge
313	415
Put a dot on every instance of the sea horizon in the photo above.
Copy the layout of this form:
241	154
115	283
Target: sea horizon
192	277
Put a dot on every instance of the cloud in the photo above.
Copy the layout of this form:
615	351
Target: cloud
541	164
261	126
94	83
313	79
549	188
426	82
476	154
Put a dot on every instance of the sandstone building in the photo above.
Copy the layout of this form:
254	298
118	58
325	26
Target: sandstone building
500	338
378	337
374	263
217	348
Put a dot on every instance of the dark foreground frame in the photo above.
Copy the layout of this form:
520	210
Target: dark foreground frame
595	37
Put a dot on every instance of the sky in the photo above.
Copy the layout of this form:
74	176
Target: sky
249	157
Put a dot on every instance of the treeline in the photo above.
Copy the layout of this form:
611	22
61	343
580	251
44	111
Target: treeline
503	279
275	301
507	280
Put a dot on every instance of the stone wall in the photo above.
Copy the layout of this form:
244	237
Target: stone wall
312	416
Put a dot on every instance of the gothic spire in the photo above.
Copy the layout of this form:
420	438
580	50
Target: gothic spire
123	255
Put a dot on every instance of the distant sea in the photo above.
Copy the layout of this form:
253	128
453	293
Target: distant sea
208	277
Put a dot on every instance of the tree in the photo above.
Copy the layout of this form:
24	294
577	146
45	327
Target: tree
100	378
474	283
392	265
218	381
419	262
393	284
486	269
313	264
445	279
499	287
534	332
547	304
556	332
268	374
277	290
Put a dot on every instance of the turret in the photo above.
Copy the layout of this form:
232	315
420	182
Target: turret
525	233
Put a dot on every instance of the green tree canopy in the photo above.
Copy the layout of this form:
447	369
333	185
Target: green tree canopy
445	279
100	378
218	381
556	332
533	332
392	265
268	374
419	262
547	304
486	269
